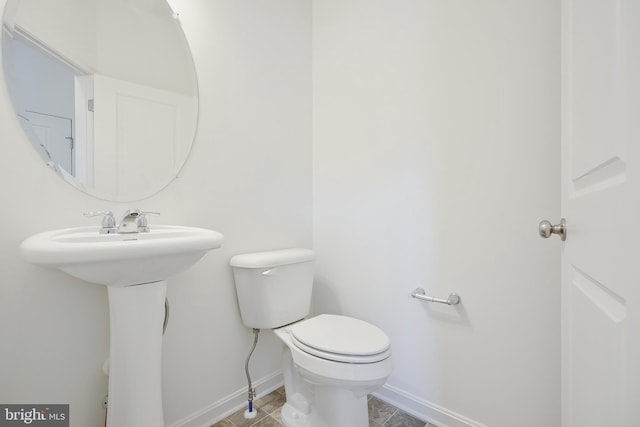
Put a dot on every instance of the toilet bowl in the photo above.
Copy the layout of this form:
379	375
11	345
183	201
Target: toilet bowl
330	363
340	372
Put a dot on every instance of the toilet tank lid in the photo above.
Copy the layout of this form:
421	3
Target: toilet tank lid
275	258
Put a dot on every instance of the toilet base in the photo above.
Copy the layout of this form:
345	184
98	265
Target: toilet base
336	407
291	417
331	407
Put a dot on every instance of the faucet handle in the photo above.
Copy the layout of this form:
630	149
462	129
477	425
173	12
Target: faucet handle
143	224
108	220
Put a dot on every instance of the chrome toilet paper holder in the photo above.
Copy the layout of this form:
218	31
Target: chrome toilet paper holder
419	293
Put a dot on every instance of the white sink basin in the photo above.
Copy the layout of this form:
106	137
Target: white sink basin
121	259
136	313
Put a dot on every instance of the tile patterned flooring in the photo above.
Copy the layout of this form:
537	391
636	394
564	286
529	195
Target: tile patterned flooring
381	414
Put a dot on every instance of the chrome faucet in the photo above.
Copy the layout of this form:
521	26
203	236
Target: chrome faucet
108	221
134	221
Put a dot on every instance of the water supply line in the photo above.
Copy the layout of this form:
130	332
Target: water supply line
250	413
165	322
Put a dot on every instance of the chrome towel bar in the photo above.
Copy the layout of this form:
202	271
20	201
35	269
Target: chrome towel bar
419	293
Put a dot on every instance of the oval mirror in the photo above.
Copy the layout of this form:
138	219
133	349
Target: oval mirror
105	91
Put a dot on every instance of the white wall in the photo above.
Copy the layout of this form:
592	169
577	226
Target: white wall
248	177
165	63
117	39
435	155
60	34
435	132
53	95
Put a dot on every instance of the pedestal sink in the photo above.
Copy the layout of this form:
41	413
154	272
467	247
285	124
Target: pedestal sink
134	267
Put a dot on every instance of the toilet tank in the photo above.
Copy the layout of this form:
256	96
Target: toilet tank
273	287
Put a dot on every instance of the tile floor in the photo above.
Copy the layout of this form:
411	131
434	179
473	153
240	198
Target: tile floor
381	414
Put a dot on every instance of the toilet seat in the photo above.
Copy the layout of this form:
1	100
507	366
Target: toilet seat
341	339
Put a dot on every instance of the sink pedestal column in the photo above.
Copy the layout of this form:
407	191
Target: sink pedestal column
135	383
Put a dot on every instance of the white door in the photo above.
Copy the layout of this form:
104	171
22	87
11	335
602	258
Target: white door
141	136
56	137
601	203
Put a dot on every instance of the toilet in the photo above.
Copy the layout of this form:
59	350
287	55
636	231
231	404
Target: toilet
330	363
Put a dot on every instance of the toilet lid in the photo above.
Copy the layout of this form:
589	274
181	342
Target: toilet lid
341	338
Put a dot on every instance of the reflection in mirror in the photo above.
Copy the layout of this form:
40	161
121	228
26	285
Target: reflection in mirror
105	91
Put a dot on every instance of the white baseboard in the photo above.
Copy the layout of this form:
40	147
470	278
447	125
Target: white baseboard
407	402
422	409
229	404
